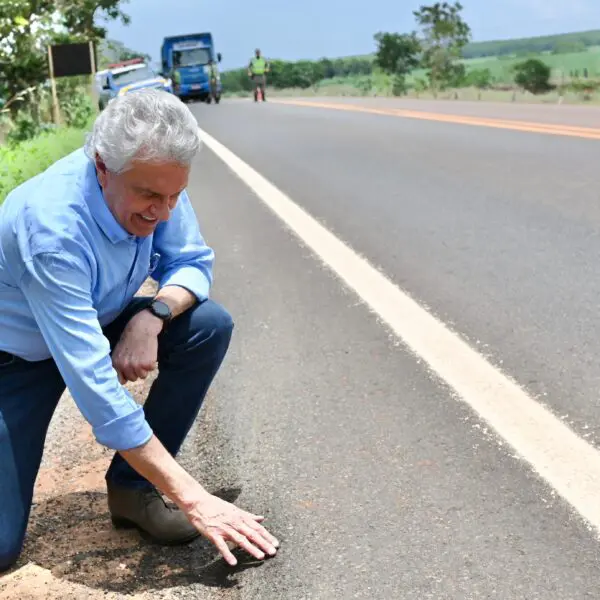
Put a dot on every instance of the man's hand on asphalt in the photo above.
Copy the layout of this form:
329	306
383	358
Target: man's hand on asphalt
221	522
136	353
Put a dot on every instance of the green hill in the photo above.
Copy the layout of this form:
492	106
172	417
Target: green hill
557	44
562	43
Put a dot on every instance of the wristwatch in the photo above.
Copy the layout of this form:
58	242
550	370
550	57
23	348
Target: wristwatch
161	310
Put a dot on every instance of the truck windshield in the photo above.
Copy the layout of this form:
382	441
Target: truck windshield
193	56
127	77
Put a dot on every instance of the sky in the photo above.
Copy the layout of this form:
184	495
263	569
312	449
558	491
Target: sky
293	30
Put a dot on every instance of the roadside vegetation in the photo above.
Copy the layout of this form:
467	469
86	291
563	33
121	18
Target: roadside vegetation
438	60
22	161
30	138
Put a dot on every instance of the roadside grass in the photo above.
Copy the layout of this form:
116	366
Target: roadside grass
21	161
468	94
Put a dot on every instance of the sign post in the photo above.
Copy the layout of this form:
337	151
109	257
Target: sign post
55	111
67	60
93	71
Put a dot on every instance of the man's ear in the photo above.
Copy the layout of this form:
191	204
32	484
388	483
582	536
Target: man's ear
101	170
100	164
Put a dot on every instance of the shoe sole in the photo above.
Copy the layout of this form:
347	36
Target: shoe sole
122	523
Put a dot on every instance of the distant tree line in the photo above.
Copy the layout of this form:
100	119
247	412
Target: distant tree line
300	74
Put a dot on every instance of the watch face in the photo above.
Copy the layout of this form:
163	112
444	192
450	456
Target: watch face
160	309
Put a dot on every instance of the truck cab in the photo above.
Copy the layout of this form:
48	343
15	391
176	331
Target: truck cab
186	60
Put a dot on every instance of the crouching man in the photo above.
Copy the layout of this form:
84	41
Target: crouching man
76	244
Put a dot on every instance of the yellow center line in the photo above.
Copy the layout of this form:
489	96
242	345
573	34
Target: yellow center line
547	128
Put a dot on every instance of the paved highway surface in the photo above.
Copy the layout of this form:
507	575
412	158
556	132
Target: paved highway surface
379	480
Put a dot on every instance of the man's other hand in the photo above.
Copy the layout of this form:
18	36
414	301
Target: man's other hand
136	353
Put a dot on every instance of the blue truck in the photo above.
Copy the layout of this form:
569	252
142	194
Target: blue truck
186	60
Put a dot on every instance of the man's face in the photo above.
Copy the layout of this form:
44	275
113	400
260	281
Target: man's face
144	195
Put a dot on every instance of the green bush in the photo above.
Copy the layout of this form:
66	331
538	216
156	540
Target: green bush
20	162
23	127
479	78
533	75
77	108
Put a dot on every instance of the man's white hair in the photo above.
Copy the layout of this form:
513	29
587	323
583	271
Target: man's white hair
145	125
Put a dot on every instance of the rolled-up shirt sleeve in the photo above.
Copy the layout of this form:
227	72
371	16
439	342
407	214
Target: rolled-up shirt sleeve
185	259
58	291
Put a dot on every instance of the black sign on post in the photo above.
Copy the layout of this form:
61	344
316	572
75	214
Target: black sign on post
73	59
66	60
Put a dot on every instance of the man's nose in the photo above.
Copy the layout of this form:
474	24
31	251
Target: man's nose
161	210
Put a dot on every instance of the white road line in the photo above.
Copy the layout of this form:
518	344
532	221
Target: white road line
567	462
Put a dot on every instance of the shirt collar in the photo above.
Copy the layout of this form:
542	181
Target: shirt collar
111	228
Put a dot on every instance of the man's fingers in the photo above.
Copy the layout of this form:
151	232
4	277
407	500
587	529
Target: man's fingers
255	521
255	536
123	369
133	371
244	543
129	373
263	532
141	372
258	518
223	548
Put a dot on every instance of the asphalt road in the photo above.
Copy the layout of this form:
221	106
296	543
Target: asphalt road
378	481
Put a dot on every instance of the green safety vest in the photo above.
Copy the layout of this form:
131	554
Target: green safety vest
259	66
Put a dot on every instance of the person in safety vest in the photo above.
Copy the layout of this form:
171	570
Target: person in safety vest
257	70
213	72
176	77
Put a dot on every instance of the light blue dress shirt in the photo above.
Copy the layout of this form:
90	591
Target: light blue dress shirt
67	268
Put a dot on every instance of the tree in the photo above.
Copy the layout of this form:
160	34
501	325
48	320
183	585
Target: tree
79	16
444	34
397	55
479	78
533	75
328	68
113	51
25	28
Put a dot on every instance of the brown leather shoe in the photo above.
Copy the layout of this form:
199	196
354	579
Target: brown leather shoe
147	511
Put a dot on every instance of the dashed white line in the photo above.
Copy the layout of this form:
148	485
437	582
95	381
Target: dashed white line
565	461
